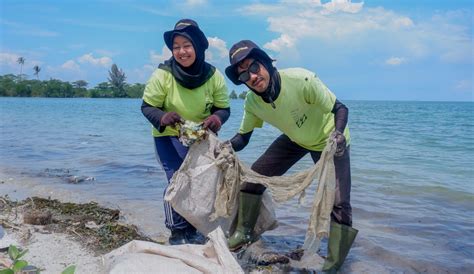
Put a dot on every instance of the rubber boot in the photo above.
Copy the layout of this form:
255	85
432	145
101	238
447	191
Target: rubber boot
249	208
340	241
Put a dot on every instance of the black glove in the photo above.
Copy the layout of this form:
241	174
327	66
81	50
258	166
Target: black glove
170	119
213	123
340	141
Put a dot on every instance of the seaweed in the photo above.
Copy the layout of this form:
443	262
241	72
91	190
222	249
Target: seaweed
96	227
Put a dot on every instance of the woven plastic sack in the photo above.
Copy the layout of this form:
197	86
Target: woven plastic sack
147	257
193	189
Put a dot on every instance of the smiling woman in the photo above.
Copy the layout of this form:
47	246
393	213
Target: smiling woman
183	51
185	87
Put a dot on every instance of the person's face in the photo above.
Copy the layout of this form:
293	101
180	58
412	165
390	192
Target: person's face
253	74
183	51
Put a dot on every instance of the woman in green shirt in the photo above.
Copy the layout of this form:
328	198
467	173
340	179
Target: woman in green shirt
185	87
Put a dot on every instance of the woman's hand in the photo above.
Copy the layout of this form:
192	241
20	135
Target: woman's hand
171	119
212	122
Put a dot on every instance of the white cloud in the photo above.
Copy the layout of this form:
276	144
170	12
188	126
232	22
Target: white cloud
307	23
341	5
9	63
293	6
101	61
9	59
217	50
156	58
68	72
284	41
402	22
70	65
395	61
340	22
140	75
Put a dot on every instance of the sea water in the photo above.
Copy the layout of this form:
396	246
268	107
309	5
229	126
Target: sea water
412	173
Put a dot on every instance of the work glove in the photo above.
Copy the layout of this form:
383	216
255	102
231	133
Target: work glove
340	141
212	122
170	119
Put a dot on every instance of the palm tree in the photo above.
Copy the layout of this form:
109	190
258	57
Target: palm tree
37	69
21	61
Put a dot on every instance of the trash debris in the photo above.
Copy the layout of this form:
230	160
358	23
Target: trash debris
190	132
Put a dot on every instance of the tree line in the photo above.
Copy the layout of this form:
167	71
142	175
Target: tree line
116	87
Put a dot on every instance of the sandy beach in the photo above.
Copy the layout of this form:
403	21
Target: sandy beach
49	249
54	244
51	253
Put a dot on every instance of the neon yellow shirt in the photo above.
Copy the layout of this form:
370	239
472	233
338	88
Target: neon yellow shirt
303	110
163	91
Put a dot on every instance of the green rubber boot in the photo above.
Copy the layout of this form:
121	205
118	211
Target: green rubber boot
249	208
340	241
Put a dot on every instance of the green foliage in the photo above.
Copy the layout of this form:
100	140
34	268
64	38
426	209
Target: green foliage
233	95
102	90
117	81
15	86
18	265
80	84
57	88
243	94
135	90
69	270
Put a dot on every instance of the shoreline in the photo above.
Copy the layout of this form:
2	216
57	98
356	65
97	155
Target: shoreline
389	258
50	249
19	187
56	235
47	251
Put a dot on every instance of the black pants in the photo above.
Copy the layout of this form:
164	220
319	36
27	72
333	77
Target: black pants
284	153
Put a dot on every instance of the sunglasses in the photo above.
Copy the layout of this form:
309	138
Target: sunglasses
244	76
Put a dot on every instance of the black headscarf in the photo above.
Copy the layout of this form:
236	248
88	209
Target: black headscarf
200	71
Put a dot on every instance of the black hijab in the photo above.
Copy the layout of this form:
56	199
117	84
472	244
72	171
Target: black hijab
200	71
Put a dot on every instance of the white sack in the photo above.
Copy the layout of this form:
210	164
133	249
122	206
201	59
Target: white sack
147	257
193	189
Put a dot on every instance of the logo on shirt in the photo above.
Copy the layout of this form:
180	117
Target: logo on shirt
298	117
208	107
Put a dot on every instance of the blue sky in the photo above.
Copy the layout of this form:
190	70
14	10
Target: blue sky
371	50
